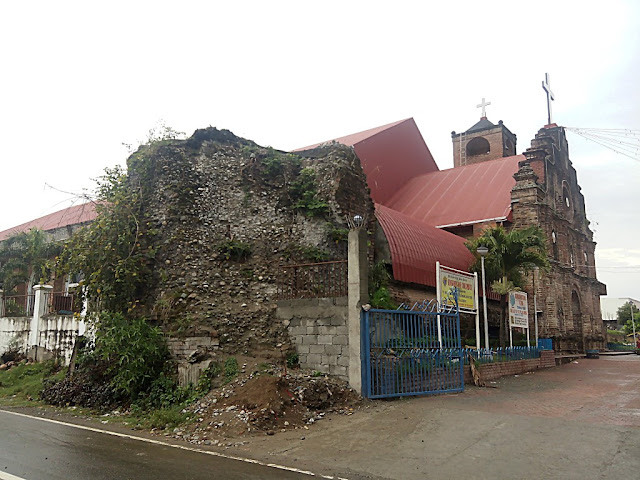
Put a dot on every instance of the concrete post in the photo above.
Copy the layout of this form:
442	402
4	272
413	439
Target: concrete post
358	281
39	309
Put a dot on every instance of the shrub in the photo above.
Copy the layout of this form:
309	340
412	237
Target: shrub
382	299
235	250
134	352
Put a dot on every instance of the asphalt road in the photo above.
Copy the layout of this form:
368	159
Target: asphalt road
34	449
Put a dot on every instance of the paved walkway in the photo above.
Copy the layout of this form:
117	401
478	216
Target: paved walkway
576	421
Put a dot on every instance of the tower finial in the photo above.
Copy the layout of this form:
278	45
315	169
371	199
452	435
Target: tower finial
483	105
546	86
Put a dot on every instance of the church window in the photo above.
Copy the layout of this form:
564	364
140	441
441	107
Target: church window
478	146
566	196
554	241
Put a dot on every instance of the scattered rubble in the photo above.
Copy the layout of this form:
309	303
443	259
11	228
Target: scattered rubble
264	403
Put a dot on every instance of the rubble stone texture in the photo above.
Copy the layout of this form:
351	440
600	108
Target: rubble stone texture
227	219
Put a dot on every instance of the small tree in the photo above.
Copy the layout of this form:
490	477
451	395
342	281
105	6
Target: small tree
25	257
512	254
624	317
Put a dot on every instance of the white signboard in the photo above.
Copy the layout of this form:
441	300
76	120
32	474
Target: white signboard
518	310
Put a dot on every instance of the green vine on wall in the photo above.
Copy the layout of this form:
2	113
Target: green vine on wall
116	251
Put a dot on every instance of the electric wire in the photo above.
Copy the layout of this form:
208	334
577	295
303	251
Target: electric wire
620	140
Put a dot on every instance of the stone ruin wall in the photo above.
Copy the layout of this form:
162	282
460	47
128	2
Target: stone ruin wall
215	188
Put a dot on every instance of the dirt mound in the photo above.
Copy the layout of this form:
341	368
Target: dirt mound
264	403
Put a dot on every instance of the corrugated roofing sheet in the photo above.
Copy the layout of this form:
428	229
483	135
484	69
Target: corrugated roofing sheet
462	195
351	140
391	155
415	247
62	218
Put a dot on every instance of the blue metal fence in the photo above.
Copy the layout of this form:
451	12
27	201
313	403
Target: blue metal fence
405	353
507	354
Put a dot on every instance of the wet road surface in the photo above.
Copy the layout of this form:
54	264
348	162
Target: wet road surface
33	449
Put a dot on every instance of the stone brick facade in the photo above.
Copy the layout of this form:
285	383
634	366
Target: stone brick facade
547	194
474	146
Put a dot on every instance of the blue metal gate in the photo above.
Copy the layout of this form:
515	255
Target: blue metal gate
405	353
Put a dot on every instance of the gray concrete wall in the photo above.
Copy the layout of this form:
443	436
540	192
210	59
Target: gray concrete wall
318	330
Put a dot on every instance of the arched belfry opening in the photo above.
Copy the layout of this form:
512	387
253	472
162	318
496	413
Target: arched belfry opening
483	142
478	146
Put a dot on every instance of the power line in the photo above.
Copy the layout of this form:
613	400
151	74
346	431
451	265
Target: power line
620	140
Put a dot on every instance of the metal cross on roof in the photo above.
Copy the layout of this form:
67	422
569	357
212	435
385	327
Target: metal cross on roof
483	105
546	85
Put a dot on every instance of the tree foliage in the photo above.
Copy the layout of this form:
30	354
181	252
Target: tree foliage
512	254
26	257
115	251
624	317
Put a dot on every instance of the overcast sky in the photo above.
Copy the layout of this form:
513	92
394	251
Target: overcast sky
77	79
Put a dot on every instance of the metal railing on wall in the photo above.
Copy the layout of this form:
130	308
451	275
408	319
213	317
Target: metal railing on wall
61	303
506	354
17	305
313	280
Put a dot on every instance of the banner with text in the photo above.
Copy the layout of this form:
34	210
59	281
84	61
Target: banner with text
464	282
518	310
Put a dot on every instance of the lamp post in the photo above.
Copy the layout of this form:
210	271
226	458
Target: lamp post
482	251
633	324
535	303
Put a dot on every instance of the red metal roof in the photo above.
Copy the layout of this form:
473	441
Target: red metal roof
351	140
415	247
63	218
391	155
459	196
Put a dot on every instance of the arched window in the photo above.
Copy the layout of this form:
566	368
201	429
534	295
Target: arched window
554	243
478	146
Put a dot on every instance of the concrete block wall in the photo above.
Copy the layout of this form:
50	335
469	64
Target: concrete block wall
319	332
491	371
191	355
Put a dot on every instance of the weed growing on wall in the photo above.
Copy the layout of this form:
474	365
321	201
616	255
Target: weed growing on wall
304	194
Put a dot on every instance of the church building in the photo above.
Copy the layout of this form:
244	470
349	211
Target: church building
427	214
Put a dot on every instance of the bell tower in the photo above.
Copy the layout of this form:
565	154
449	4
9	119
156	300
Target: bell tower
482	142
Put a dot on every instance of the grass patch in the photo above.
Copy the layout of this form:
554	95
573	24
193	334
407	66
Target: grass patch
160	418
22	384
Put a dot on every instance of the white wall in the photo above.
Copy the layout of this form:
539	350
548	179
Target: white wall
609	306
55	334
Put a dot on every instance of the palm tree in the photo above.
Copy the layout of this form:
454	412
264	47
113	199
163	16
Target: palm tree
24	258
512	254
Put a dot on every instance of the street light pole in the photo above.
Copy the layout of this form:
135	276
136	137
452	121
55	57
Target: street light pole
482	251
633	324
535	304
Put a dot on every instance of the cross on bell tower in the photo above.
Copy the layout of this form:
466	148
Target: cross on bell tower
483	105
546	86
